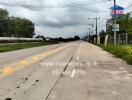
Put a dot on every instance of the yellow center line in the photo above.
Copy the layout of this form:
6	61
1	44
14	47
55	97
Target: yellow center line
36	58
9	69
24	62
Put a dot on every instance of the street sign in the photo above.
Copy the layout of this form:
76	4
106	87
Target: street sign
115	27
117	11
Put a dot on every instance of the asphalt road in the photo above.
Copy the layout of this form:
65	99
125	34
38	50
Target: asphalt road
67	71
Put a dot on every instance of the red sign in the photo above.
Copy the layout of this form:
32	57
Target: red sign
117	11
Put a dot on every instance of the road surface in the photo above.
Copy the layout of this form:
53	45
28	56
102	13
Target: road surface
67	71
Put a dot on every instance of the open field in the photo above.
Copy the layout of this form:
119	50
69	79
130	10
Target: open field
11	47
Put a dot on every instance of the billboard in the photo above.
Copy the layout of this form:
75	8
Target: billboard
117	11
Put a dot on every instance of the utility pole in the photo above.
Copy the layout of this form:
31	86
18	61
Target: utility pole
92	25
115	24
96	19
96	28
89	32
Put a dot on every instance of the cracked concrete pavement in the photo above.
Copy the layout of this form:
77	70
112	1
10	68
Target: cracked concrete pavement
81	71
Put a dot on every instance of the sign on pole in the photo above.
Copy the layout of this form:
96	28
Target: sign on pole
115	27
117	11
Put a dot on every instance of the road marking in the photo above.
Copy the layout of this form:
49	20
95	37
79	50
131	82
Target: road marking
114	92
121	68
24	62
73	73
35	58
9	69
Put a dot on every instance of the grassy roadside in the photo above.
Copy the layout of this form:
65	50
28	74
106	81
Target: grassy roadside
121	51
11	47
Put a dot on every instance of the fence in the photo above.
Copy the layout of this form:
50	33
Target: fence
15	39
121	39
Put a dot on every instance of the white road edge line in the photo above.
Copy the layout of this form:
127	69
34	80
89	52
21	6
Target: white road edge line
73	73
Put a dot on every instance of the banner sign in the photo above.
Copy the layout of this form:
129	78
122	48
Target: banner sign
115	27
117	11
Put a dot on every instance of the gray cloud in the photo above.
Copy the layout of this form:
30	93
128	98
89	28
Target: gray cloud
59	20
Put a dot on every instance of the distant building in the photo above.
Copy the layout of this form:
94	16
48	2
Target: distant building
47	39
109	22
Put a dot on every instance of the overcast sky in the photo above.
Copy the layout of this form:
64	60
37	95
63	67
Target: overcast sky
53	18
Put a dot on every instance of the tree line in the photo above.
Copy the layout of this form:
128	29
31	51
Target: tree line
15	26
125	23
59	39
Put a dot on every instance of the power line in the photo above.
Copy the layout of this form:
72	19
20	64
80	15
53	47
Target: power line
50	6
96	19
129	7
77	2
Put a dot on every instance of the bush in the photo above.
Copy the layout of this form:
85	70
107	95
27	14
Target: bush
121	51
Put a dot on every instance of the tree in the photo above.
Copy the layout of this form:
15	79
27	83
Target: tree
125	23
102	36
76	38
3	21
3	13
15	26
41	36
60	39
23	27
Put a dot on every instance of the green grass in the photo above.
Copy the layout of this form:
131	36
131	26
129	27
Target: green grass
11	47
121	51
